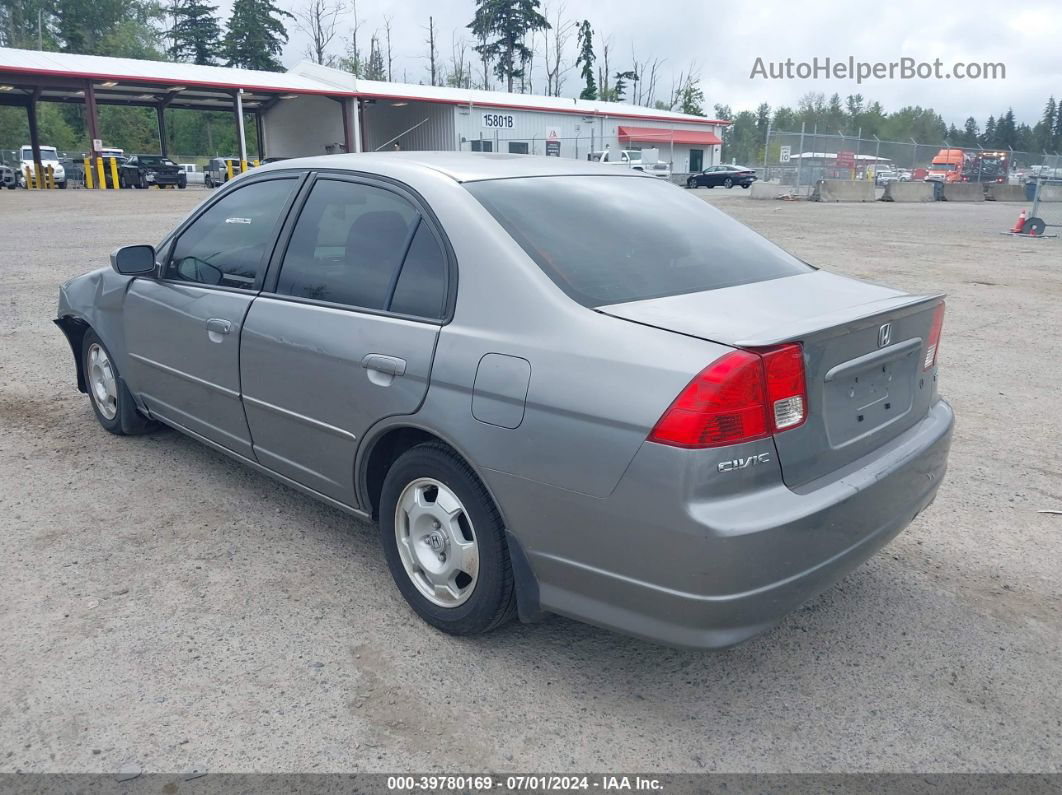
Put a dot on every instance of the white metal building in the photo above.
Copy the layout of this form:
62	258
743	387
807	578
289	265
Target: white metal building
417	117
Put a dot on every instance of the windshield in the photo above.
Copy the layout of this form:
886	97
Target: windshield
606	240
942	166
47	153
154	160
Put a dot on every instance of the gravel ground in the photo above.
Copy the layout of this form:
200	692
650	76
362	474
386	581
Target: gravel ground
162	606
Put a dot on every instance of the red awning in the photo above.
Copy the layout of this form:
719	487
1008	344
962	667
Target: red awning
663	137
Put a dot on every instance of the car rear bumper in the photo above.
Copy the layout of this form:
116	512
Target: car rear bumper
672	557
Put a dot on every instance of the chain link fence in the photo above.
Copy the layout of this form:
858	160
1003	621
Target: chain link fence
799	159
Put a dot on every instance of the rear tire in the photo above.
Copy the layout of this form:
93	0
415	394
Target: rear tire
445	542
728	183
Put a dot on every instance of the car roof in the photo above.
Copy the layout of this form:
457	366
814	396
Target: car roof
459	166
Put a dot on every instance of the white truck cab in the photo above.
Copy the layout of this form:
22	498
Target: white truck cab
49	157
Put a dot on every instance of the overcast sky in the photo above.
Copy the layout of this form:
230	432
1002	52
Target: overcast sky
724	40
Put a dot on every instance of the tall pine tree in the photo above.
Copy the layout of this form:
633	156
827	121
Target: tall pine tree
508	22
586	59
195	34
256	35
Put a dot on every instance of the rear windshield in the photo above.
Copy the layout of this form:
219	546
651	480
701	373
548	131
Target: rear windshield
607	240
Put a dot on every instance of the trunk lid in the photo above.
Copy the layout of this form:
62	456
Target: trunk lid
865	383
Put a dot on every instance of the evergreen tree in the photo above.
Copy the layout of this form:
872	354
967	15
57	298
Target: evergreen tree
988	138
621	78
195	34
1006	130
509	21
763	119
256	35
689	98
374	67
586	59
970	132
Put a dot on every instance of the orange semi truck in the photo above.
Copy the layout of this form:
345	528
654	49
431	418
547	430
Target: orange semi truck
957	165
947	166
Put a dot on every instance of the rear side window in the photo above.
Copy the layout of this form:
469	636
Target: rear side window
227	244
608	240
421	288
348	244
364	246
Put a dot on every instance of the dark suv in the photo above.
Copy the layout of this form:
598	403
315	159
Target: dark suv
143	171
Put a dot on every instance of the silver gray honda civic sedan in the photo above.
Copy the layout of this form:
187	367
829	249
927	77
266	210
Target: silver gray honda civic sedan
555	387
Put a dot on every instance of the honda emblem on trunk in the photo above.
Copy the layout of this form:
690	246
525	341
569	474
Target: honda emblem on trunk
884	335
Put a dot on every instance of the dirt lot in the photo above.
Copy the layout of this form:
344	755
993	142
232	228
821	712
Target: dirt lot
163	606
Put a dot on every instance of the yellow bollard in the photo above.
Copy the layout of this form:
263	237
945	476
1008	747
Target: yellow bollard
49	174
243	166
255	163
102	184
29	177
114	173
88	173
228	167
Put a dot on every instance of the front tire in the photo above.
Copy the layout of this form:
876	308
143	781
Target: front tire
445	542
101	380
111	402
691	183
728	183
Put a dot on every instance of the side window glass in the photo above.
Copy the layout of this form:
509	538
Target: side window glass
347	244
421	288
226	245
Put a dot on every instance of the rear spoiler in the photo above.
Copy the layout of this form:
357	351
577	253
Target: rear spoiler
841	321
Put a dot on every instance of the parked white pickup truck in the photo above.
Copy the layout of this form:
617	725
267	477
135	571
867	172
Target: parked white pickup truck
49	157
647	160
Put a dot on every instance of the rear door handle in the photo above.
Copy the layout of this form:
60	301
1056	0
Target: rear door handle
218	326
388	365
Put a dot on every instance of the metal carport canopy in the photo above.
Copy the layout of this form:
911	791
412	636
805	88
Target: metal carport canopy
60	77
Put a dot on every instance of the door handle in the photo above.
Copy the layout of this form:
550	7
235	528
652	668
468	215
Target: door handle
387	365
218	326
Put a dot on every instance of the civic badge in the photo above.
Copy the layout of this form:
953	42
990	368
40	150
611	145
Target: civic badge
884	335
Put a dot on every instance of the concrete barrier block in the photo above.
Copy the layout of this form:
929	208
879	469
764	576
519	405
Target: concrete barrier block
964	192
897	191
1051	193
840	190
1005	193
768	190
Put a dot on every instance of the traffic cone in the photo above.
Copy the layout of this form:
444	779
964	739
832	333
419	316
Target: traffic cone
1019	224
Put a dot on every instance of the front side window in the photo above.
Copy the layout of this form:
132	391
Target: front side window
611	239
227	245
348	244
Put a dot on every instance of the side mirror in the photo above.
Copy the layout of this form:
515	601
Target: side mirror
134	260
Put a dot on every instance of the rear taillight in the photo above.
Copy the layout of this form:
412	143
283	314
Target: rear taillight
933	345
741	397
787	396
